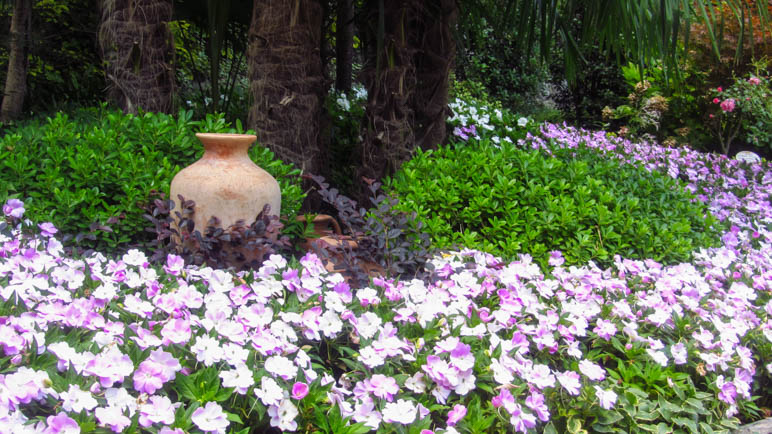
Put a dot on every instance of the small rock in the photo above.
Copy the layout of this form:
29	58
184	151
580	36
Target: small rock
747	157
763	426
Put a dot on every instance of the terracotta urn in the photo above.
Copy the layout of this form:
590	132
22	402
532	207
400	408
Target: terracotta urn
225	183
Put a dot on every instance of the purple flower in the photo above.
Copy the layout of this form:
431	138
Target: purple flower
299	390
47	229
455	415
382	386
14	208
536	403
61	424
605	329
556	258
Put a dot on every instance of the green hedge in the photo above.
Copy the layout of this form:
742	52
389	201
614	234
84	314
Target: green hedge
100	163
511	200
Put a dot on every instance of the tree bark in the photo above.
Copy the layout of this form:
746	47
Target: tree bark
287	81
434	62
390	78
344	45
407	72
18	62
137	45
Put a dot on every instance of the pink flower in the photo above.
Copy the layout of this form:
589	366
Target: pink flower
728	105
719	89
754	80
62	424
716	100
299	390
455	415
14	208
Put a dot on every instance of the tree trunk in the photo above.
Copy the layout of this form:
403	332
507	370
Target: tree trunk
407	78
286	80
434	61
344	45
390	78
16	80
137	45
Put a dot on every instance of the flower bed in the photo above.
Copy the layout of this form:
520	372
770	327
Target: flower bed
481	346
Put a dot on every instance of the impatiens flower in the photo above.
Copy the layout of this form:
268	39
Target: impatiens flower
61	424
210	418
605	329
241	379
281	367
521	420
47	229
607	398
556	258
77	400
591	370
382	386
283	416
157	409
299	390
176	331
112	417
402	412
754	80
570	381
14	208
456	414
536	403
269	391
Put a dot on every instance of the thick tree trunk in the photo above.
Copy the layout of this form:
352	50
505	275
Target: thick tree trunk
138	47
407	74
390	78
16	80
344	45
434	61
286	80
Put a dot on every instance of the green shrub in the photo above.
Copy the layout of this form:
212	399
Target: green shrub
101	163
510	200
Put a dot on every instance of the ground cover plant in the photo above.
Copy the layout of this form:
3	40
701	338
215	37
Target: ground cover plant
103	343
101	164
502	197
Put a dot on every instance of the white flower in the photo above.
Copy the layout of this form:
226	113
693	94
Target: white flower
402	411
607	398
521	122
240	378
210	418
77	400
269	392
283	415
281	366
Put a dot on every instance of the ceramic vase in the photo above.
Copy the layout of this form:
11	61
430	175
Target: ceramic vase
225	183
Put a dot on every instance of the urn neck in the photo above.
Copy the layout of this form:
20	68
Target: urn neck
225	145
